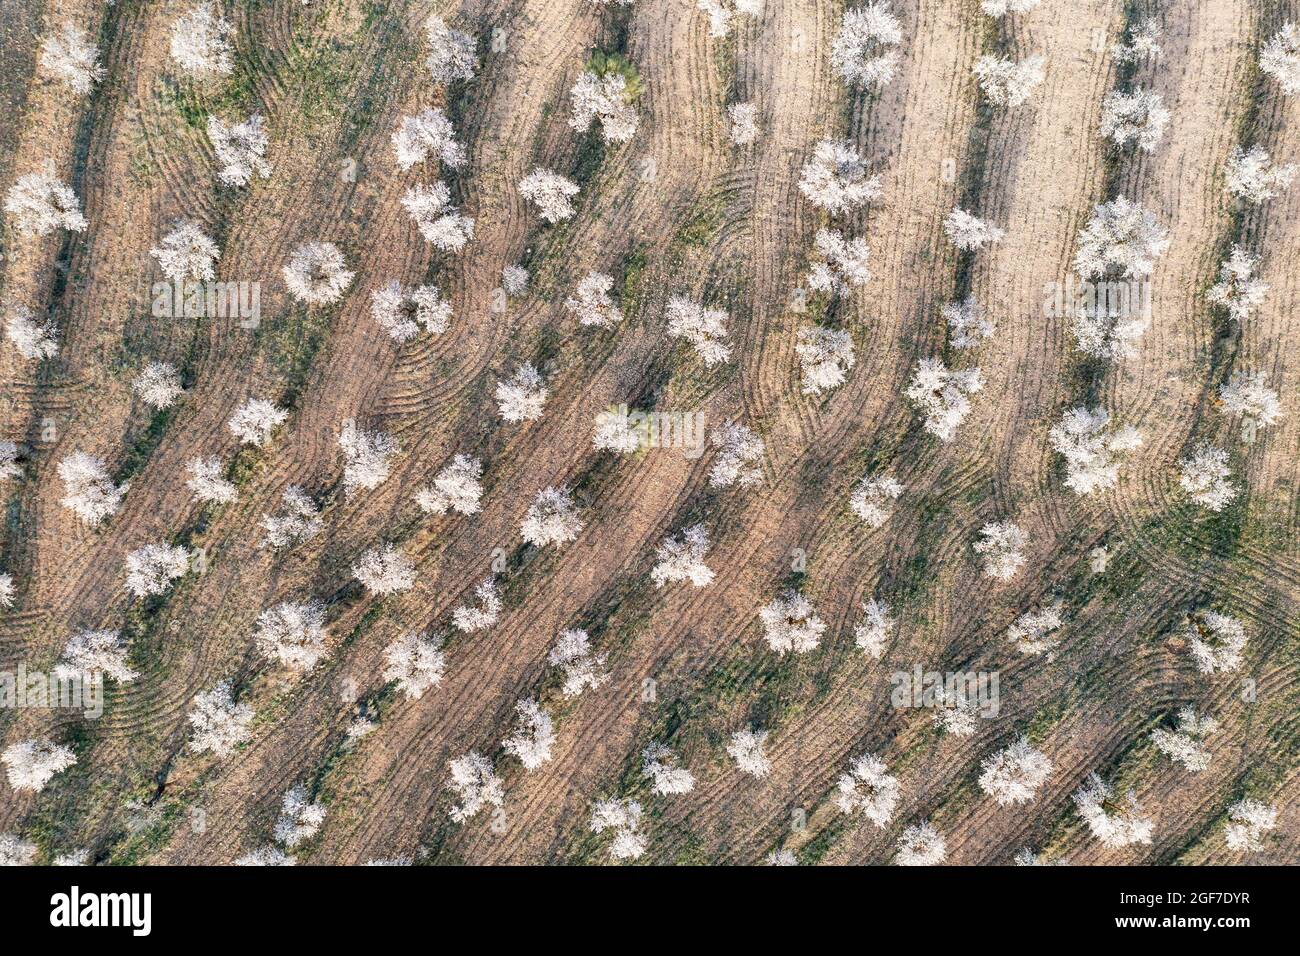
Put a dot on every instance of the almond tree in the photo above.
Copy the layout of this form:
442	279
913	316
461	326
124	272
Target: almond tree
240	150
15	851
836	179
624	818
384	571
1216	642
967	326
1107	334
34	342
416	662
704	328
740	456
746	748
617	432
550	192
999	8
95	655
476	786
580	667
1034	631
200	44
921	845
1238	290
521	397
441	223
158	385
268	855
1014	775
456	488
300	818
150	570
427	133
744	123
1204	477
1186	744
864	50
1138	117
955	714
1006	82
70	57
968	232
1114	826
591	301
604	98
1001	545
366	457
187	254
317	273
872	500
942	396
403	312
533	735
38	204
451	53
293	634
659	766
791	624
1247	395
1089	444
219	724
1250	821
875	628
9	467
89	492
869	789
721	13
682	558
1253	177
781	858
826	356
552	518
298	521
1121	239
841	264
30	764
254	422
6	591
514	280
1141	43
470	619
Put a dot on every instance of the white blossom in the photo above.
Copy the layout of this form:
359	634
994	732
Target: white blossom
1216	642
514	280
791	624
200	43
1090	445
999	8
721	13
32	763
255	421
746	748
521	397
624	818
841	266
682	558
220	725
1246	394
451	52
740	456
1143	42
69	56
268	855
455	488
1204	476
89	492
704	328
921	845
1138	117
966	323
872	499
552	518
298	521
9	467
6	591
967	231
1014	775
240	150
1280	58
441	223
403	312
1107	333
868	788
1006	82
469	619
659	766
744	123
826	356
1113	827
591	301
616	431
1034	631
942	396
836	178
158	385
1254	177
875	628
317	273
15	851
427	133
95	654
151	569
604	99
533	735
38	203
580	667
1186	744
293	634
366	457
1001	545
955	713
475	784
864	50
33	341
1122	239
1250	821
300	818
781	858
384	571
1238	290
416	662
550	192
187	254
